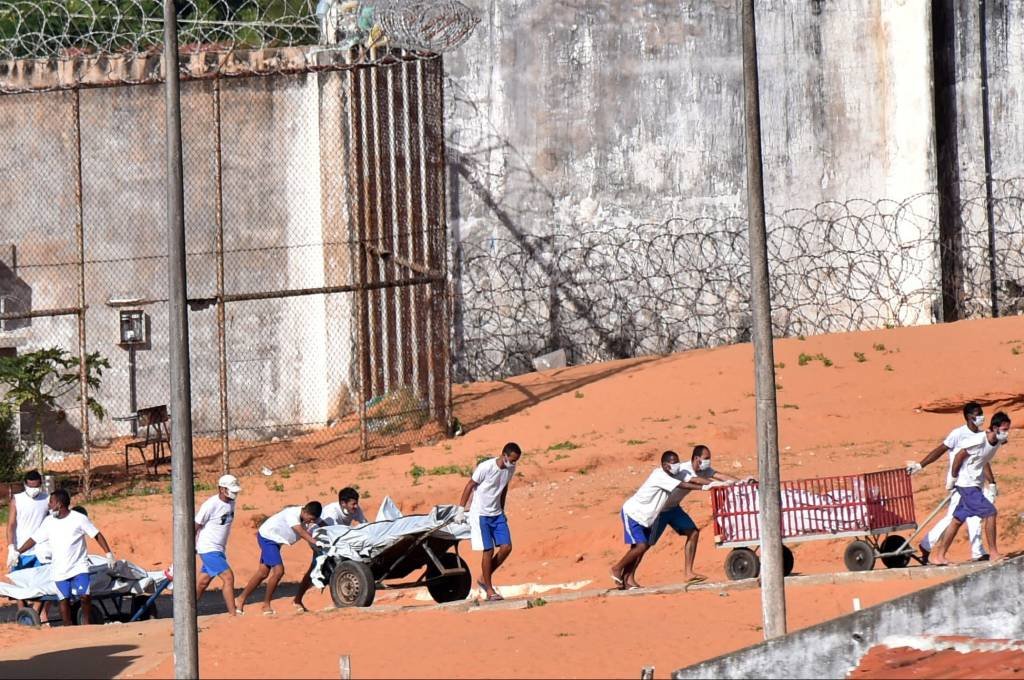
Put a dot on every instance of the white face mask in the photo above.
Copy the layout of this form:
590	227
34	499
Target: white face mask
508	463
1001	437
54	513
705	463
675	468
231	494
978	420
33	491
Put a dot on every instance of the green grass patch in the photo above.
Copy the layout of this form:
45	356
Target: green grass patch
564	446
793	406
277	487
537	602
805	359
780	365
561	456
636	442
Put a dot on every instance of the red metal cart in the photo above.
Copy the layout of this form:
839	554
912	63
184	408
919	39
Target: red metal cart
870	508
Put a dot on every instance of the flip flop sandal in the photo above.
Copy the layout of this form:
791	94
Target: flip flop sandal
270	612
495	597
618	581
696	579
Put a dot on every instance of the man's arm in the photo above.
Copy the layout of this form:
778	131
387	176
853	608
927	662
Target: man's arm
468	492
692	486
723	477
990	476
103	543
935	454
304	535
504	495
27	545
958	463
12	521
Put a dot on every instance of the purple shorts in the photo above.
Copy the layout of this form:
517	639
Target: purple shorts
972	504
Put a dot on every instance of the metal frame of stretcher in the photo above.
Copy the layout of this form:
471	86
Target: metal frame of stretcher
109	607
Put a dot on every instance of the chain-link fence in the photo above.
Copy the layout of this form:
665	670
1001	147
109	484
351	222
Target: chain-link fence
315	220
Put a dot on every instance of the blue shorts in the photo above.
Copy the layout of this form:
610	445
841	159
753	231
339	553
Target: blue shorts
27	562
270	552
674	517
972	504
76	586
214	563
633	531
494	532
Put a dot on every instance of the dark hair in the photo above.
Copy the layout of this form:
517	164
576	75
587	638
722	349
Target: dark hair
667	456
698	451
348	494
79	508
62	496
970	407
33	476
313	508
512	448
1000	419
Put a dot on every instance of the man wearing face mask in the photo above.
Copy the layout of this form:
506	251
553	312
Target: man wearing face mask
640	512
698	471
27	512
213	525
959	438
487	522
66	531
969	467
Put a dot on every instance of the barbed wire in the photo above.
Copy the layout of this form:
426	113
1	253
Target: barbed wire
614	292
56	44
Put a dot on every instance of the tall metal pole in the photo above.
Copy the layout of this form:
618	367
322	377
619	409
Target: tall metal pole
773	595
83	363
186	635
222	350
986	131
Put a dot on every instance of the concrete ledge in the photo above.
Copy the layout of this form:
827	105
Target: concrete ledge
986	601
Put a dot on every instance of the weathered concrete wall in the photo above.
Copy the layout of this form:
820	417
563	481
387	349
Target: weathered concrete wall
572	122
983	604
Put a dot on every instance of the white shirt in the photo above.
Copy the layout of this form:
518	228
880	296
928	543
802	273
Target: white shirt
334	514
972	470
491	481
685	475
29	515
278	528
958	439
643	506
67	542
216	517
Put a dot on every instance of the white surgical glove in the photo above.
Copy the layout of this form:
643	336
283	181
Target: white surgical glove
110	560
990	493
913	468
950	484
460	515
712	485
12	556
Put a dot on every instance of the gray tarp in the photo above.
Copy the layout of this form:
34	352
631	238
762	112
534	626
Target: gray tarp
126	578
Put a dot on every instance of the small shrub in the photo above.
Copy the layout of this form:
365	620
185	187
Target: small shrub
579	395
780	365
879	347
888	367
417	471
564	446
804	359
561	456
538	602
635	442
859	356
793	406
801	337
277	487
1015	350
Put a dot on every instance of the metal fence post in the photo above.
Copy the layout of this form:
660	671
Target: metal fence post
222	351
986	131
83	364
773	596
186	634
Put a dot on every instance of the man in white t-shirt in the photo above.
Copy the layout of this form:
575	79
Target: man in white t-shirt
699	471
959	438
345	513
285	528
487	522
213	526
639	513
66	531
27	510
969	467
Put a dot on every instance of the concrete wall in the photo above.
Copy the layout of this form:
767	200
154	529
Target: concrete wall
983	604
572	122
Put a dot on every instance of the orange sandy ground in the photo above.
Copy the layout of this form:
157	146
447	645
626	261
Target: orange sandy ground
904	662
853	416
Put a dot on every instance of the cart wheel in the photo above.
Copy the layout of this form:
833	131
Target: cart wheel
891	544
98	617
787	561
449	588
352	585
138	602
859	556
742	563
26	616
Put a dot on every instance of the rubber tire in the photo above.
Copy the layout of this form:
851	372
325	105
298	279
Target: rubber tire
742	563
892	543
859	556
26	616
98	617
352	585
787	561
450	588
138	601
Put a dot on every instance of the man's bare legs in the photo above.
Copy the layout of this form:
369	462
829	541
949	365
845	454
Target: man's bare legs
305	584
227	588
989	526
692	536
271	575
938	554
623	571
490	561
